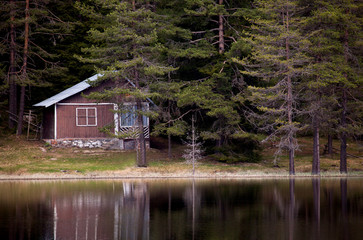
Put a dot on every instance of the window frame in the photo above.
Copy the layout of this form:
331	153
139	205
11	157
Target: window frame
87	117
133	105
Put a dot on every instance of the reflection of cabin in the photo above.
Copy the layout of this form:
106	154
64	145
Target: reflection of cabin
99	214
70	119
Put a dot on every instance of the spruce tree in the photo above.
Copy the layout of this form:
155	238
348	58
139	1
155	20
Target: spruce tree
216	77
206	78
277	59
333	27
126	46
30	27
322	75
348	27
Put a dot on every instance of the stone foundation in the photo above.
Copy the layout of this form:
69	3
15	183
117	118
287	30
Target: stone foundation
108	143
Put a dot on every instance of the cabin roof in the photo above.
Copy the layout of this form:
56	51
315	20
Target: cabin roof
68	92
74	90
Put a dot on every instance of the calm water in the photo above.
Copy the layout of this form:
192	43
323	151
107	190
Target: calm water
183	209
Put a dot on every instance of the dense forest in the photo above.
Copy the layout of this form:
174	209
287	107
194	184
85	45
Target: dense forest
245	71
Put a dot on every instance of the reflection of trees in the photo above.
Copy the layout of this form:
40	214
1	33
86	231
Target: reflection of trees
132	213
316	203
94	215
344	199
76	216
192	198
168	210
282	208
291	209
26	221
23	214
221	210
278	209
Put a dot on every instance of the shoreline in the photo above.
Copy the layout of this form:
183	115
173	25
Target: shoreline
156	175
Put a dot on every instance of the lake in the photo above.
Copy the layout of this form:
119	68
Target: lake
327	208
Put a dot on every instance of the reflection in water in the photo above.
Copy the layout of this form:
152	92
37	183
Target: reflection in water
316	203
343	193
196	209
78	216
291	215
132	213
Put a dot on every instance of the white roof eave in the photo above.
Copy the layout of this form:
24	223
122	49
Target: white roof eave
68	92
74	90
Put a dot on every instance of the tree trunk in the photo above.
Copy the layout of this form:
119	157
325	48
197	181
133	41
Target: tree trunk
169	136
330	144
220	31
343	153
316	202
290	133
193	144
316	124
19	130
141	146
291	160
220	140
24	70
316	153
12	84
140	143
343	135
221	50
169	146
343	123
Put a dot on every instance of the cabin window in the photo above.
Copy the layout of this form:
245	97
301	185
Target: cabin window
128	118
86	117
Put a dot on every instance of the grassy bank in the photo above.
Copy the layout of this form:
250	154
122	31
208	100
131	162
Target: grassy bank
19	157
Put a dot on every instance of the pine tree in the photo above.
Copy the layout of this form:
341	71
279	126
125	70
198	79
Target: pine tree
24	68
349	28
333	29
322	75
277	58
30	28
206	78
173	38
216	78
12	67
66	48
194	150
126	46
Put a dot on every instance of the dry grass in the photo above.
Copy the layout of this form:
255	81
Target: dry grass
33	159
328	164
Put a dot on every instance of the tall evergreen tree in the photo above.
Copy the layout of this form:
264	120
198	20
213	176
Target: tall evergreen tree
321	74
12	66
31	27
206	78
126	46
66	48
349	27
216	78
333	29
277	58
24	68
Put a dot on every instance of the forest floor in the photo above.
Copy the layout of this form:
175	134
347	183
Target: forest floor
22	159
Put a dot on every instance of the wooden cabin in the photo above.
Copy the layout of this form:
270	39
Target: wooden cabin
70	119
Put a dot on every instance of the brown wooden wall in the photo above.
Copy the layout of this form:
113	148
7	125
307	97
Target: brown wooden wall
66	122
48	123
66	115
